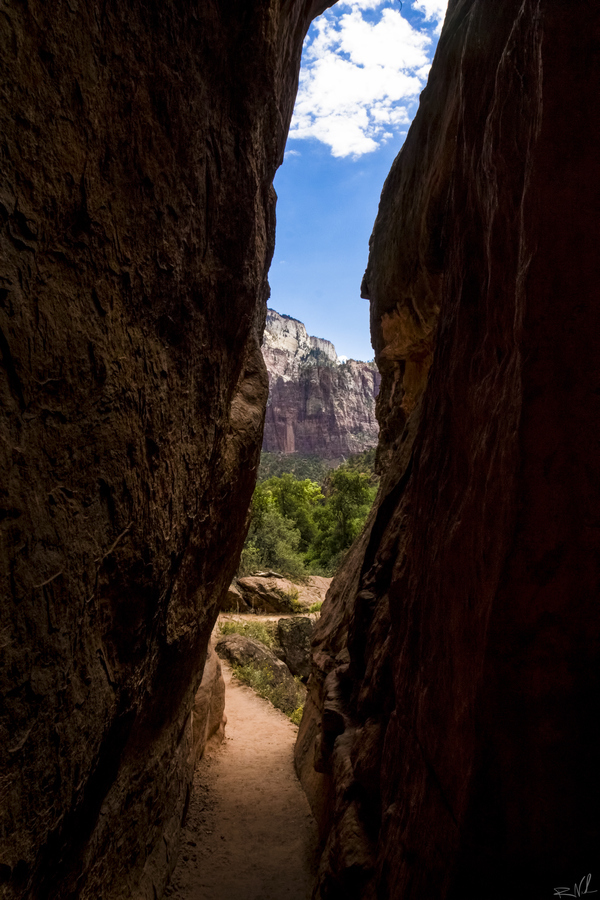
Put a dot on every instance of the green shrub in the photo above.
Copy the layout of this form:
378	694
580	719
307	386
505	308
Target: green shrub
296	716
272	541
316	607
291	597
290	700
263	632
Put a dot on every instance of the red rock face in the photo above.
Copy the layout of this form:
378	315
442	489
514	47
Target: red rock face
317	404
451	713
138	144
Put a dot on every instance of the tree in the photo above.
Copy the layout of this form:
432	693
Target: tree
296	501
349	497
349	501
273	540
296	527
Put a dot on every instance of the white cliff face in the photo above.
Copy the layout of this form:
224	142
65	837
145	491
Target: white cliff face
287	347
318	403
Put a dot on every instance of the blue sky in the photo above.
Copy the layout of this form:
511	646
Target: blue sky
364	65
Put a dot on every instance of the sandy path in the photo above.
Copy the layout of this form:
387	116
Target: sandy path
249	833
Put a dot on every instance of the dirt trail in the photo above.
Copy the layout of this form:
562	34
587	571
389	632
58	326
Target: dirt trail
249	833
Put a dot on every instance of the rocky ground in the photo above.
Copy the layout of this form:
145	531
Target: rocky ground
249	833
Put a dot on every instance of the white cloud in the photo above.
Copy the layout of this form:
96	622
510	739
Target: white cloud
292	153
361	4
362	74
434	10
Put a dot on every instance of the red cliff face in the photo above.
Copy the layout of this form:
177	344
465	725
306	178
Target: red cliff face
138	144
450	741
317	404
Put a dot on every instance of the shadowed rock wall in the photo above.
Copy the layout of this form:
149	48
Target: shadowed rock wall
138	143
450	743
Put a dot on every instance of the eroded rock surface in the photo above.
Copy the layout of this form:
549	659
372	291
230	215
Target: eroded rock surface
233	600
138	144
318	404
269	592
294	637
209	717
240	650
449	743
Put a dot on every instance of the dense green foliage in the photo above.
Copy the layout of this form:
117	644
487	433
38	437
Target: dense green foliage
299	527
297	464
363	462
315	468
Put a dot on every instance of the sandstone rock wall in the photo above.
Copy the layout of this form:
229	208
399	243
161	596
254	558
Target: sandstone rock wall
287	347
450	743
138	143
317	404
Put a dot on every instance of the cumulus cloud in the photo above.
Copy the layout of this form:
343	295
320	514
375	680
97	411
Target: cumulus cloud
434	10
363	70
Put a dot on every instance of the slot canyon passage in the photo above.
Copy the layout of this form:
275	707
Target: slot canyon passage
449	745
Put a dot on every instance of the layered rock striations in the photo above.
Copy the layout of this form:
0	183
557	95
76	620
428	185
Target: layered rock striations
449	743
138	144
318	404
287	347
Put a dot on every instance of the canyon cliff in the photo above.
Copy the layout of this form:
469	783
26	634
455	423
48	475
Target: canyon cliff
138	145
450	742
318	404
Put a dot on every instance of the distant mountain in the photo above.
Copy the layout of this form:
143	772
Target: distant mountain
317	404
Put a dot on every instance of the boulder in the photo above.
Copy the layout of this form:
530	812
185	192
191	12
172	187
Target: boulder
269	592
208	716
314	590
242	651
294	637
233	600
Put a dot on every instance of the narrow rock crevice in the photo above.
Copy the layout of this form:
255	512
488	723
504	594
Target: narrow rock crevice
448	731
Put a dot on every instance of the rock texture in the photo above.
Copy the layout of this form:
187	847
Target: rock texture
207	721
209	717
268	592
138	144
294	638
317	404
233	600
287	347
450	743
240	650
